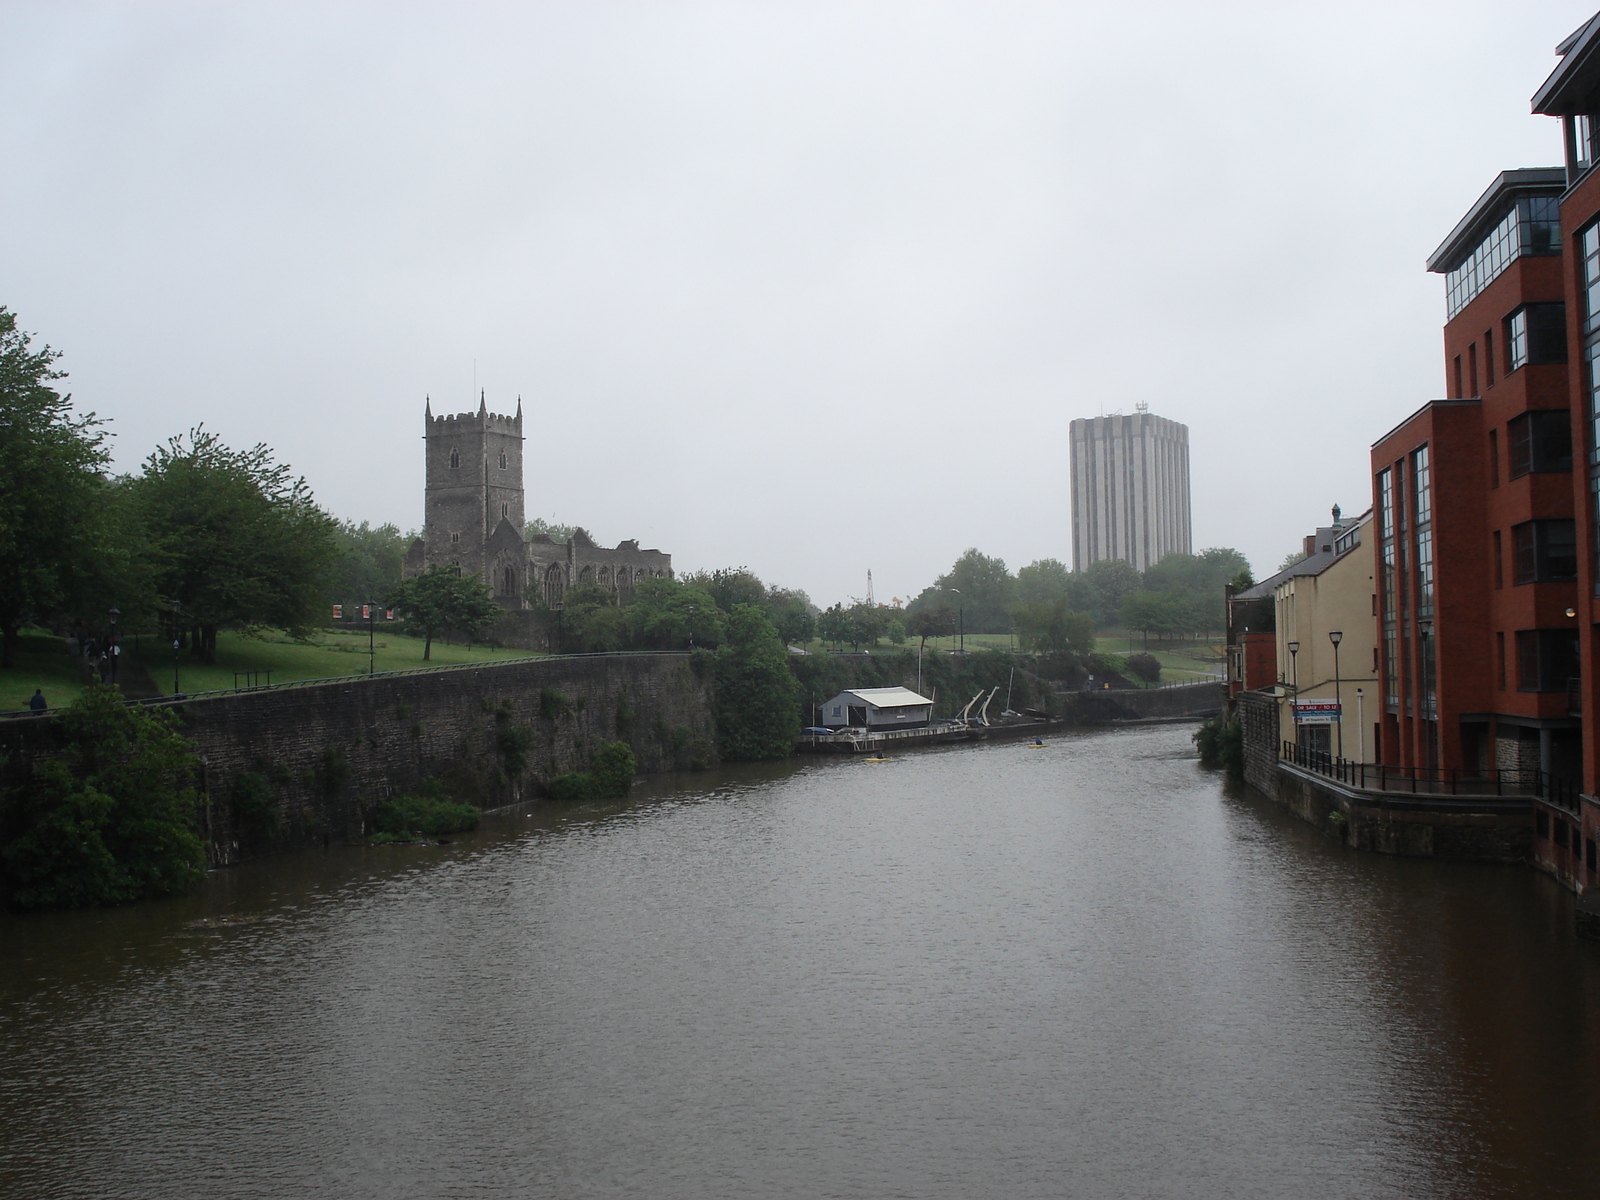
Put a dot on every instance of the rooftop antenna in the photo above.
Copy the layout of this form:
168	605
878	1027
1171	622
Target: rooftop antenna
1141	407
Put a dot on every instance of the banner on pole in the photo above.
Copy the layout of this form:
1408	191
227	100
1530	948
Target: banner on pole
1316	712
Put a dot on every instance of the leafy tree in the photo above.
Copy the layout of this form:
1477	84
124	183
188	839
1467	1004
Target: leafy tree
1047	579
367	567
668	614
729	586
1110	581
867	623
792	614
556	532
591	622
234	537
1050	627
834	624
112	818
986	592
54	535
1145	666
935	620
758	711
610	775
439	599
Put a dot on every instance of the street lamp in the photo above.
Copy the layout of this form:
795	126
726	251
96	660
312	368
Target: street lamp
1361	728
1294	667
175	627
961	617
1336	636
114	649
371	611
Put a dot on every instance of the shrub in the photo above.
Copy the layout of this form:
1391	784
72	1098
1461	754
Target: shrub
1146	666
429	812
1221	744
610	775
513	742
757	713
255	809
553	705
112	818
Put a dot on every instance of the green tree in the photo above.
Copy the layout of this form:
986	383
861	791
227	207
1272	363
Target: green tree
556	532
867	623
834	625
986	590
439	599
758	710
54	536
934	620
368	562
729	586
591	622
667	614
111	818
792	614
235	538
1051	627
1110	581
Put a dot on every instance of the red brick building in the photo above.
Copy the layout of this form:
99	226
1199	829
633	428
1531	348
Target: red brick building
1487	527
1572	93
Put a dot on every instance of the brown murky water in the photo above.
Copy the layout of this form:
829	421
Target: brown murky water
1082	971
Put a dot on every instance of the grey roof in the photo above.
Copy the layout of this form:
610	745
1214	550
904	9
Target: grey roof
1574	81
1485	214
1315	563
889	697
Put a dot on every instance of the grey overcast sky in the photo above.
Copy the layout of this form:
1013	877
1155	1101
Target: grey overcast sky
812	288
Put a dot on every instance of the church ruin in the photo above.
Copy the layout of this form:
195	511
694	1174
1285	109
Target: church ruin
473	520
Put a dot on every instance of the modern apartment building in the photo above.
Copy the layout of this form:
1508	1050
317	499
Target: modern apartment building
1130	489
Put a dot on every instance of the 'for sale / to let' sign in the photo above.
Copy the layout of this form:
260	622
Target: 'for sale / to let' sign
1316	712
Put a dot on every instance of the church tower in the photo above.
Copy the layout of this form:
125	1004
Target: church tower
474	481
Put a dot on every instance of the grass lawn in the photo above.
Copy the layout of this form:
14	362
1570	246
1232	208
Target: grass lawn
42	662
327	655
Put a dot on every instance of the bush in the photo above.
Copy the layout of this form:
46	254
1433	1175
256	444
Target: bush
112	818
255	810
609	777
1146	666
757	713
428	813
1221	744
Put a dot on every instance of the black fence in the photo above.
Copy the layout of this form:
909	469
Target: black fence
1435	781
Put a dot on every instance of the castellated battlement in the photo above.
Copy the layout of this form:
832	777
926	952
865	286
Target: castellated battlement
488	420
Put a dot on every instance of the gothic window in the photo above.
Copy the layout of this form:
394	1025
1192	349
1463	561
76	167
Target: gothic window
586	575
502	460
605	577
455	539
455	460
553	585
505	510
510	582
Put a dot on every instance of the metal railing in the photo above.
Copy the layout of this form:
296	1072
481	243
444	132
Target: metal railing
1435	781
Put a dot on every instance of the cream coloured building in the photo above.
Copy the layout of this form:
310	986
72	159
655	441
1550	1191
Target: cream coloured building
1330	591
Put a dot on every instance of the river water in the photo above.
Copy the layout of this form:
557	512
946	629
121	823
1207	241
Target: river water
1082	971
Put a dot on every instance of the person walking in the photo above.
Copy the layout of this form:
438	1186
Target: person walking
38	703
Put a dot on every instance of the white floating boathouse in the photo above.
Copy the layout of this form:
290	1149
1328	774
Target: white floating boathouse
877	709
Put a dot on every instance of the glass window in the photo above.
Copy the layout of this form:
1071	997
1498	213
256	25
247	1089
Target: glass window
1582	141
1536	333
1419	484
1544	551
1546	659
1424	567
1539	441
1532	226
1589	252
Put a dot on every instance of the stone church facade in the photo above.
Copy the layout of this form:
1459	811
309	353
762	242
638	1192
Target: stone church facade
473	520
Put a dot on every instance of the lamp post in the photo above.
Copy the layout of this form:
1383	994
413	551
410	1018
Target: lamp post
372	615
1294	687
1361	728
1336	636
961	618
115	648
175	639
691	627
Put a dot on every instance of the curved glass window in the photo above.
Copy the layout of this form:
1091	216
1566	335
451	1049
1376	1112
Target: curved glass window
1533	226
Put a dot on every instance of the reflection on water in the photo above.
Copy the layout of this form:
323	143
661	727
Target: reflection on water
988	971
